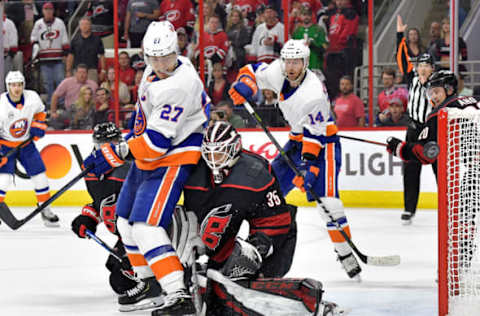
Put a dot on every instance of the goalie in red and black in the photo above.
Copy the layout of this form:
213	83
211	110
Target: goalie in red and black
229	186
442	92
104	192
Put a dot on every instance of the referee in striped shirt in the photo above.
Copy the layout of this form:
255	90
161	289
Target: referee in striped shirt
418	109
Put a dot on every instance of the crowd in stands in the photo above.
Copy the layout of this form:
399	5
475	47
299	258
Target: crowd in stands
77	82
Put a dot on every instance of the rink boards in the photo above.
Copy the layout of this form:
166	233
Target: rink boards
370	177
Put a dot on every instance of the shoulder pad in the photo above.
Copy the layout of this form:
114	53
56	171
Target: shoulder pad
250	172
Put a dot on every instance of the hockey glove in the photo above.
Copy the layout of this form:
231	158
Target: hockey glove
3	161
243	89
89	219
308	181
394	146
37	129
106	158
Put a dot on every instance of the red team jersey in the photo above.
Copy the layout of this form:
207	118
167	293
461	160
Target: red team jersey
179	12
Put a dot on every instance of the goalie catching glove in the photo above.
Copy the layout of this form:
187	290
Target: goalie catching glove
106	158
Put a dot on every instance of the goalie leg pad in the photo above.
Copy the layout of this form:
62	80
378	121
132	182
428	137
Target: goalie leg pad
267	296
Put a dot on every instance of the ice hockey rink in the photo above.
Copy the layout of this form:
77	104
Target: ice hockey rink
50	271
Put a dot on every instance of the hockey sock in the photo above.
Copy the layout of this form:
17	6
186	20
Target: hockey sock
156	246
335	208
136	258
42	190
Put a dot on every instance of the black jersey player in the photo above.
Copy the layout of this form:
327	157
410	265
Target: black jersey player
230	186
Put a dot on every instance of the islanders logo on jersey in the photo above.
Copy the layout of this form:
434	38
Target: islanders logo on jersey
140	120
19	128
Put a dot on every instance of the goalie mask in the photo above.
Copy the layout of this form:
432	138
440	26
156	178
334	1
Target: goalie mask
105	133
221	148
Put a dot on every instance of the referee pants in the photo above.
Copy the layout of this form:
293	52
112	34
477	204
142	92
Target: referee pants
412	171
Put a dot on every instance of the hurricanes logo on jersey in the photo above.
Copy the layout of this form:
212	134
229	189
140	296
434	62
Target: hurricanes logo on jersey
19	128
173	15
50	35
140	121
214	225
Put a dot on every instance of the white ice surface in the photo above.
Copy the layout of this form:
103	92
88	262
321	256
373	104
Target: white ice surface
51	272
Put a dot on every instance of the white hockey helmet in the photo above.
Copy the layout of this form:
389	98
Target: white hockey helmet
14	76
160	39
295	49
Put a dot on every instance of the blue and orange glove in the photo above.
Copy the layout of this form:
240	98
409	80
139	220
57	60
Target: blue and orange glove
307	181
104	159
3	161
37	129
243	89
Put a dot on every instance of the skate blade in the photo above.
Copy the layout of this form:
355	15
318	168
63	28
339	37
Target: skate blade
142	305
51	225
406	222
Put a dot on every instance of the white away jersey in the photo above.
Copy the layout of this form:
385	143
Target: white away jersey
263	52
16	119
169	114
51	37
10	36
307	107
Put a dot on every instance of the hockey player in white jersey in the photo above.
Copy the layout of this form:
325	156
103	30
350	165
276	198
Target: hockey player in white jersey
165	146
313	146
22	115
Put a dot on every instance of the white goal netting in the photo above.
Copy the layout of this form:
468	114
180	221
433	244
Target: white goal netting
463	204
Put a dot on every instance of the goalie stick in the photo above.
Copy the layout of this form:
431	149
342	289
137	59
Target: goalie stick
371	260
7	216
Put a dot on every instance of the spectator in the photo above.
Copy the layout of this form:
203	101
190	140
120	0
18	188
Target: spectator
50	44
83	110
315	38
215	41
342	23
394	114
223	111
247	9
440	50
435	29
295	16
184	46
267	39
87	49
10	45
109	84
69	89
218	88
102	106
27	24
238	36
348	108
411	47
180	13
134	90
388	80
268	110
139	15
101	15
126	73
462	90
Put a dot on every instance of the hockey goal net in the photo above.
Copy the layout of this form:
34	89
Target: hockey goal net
458	204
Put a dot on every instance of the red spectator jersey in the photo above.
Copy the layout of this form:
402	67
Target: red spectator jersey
215	44
342	25
179	12
127	75
315	5
395	92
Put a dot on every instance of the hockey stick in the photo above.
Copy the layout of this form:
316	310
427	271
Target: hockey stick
197	299
376	261
7	216
95	238
362	140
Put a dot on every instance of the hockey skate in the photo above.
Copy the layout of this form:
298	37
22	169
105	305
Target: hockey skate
176	303
330	309
407	218
49	218
145	295
350	264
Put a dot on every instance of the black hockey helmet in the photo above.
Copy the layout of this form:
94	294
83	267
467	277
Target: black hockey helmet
221	147
106	132
425	58
445	79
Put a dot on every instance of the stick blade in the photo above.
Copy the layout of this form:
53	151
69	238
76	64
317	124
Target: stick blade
7	217
384	261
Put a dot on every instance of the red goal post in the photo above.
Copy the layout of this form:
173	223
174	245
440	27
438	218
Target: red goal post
458	204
